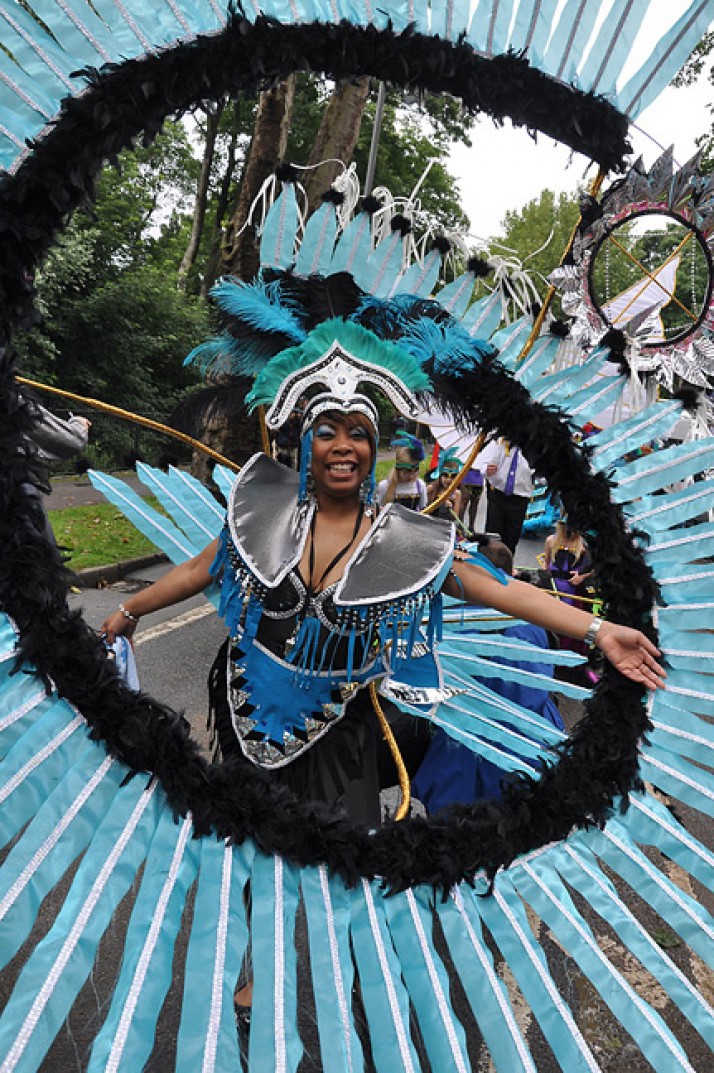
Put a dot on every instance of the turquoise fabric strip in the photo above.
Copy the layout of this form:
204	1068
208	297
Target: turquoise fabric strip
675	579
609	51
327	907
511	648
613	443
128	40
410	920
207	1038
542	888
420	278
591	401
384	997
571	35
483	316
59	965
683	545
653	472
685	916
450	20
43	64
187	501
505	916
383	266
354	247
679	694
650	822
468	663
682	732
455	296
498	25
86	39
665	59
557	387
693	786
657	513
318	242
274	1045
485	990
23	701
155	526
540	358
541	20
62	827
579	868
225	479
510	341
38	762
686	616
470	715
126	1038
277	239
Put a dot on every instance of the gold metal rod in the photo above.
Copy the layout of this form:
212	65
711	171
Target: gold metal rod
551	292
402	774
264	430
672	296
443	496
127	415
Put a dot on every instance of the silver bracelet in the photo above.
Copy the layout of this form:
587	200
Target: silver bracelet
128	614
593	630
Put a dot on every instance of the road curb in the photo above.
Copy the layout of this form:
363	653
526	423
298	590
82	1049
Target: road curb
94	577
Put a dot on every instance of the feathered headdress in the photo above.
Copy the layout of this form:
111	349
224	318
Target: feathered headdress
411	443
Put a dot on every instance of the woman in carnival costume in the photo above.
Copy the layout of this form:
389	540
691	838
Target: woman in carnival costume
445	472
404	485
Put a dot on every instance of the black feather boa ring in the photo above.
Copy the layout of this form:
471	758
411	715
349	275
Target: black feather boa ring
597	765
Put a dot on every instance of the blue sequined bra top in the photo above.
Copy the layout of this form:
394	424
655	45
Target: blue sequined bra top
296	658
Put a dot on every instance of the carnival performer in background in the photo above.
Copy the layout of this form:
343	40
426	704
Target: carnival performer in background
568	560
471	489
510	486
404	485
442	476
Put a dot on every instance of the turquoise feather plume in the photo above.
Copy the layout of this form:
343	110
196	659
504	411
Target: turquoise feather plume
260	306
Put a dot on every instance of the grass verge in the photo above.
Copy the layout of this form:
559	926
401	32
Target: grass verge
97	535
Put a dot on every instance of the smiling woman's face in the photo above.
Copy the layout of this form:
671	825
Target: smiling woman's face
342	453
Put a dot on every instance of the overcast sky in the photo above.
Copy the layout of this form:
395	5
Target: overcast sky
505	168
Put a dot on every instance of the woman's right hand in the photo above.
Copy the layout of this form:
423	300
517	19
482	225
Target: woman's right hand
117	625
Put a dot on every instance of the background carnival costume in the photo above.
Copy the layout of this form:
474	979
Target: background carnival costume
108	806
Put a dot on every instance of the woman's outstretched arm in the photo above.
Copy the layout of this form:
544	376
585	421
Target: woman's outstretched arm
628	650
185	580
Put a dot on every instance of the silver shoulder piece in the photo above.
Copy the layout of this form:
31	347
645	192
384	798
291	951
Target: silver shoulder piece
266	525
402	554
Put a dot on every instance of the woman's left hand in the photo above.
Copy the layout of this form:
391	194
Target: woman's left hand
631	653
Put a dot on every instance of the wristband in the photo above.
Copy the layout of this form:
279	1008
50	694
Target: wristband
128	615
592	632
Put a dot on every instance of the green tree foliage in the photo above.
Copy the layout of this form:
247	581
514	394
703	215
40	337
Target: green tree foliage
112	324
539	234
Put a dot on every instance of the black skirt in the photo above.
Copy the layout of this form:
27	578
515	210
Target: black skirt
340	769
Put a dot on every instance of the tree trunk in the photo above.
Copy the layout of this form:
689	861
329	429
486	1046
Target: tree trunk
213	118
267	149
336	138
213	261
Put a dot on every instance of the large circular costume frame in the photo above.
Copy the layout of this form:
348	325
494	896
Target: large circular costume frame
599	763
